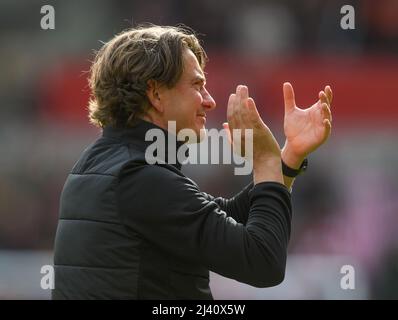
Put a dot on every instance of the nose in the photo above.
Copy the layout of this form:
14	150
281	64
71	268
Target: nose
208	101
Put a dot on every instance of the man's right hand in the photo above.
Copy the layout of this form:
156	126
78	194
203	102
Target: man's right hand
243	114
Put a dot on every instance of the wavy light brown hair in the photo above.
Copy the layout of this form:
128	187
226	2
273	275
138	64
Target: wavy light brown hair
122	68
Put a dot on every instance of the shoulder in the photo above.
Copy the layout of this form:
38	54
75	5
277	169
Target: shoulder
159	180
155	192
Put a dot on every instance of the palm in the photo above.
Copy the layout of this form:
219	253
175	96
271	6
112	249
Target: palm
306	129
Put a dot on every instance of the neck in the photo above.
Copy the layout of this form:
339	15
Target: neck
156	120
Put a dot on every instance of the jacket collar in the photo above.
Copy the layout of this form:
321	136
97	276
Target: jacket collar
136	136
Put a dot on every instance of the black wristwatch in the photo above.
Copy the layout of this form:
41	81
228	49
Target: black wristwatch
292	173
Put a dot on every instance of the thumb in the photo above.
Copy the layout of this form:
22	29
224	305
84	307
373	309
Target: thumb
288	96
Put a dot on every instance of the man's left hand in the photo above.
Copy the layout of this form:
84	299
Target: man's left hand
305	129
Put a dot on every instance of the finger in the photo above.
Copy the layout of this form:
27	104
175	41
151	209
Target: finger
237	121
327	114
244	92
243	95
238	107
251	106
242	109
328	129
231	113
323	98
329	94
228	131
254	116
288	96
230	106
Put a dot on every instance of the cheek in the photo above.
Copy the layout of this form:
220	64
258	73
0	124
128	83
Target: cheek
193	103
190	103
197	99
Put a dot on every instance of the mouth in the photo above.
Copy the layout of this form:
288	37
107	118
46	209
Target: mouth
202	116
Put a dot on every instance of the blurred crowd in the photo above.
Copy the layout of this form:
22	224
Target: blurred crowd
344	205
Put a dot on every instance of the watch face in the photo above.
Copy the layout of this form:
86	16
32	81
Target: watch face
304	165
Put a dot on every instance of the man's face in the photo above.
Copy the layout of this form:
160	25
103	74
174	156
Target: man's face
188	101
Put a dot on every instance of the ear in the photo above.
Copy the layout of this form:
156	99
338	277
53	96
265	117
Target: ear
153	94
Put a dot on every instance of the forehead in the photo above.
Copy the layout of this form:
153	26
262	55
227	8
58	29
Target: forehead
192	68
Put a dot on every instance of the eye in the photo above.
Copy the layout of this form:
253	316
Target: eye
198	86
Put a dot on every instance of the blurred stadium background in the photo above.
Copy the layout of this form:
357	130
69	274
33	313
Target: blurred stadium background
346	205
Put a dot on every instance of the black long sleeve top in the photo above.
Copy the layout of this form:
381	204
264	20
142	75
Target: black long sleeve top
128	229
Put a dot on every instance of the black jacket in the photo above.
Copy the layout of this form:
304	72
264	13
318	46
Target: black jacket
130	230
